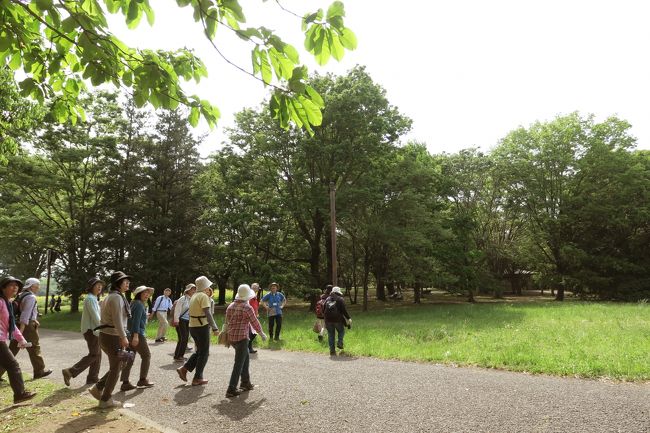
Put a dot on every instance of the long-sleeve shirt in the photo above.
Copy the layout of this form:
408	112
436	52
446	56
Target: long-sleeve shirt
182	306
5	323
163	304
90	316
28	309
114	314
274	301
240	317
137	323
342	315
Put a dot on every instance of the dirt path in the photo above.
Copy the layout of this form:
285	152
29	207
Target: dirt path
298	392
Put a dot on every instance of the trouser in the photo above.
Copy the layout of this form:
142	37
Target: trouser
145	356
183	332
201	336
162	324
277	321
31	335
331	328
8	362
110	345
240	369
92	361
251	337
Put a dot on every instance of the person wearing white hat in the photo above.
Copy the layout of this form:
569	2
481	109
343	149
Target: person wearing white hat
201	321
240	317
336	318
137	326
181	321
28	325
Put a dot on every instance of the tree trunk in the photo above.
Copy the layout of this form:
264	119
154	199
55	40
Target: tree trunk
417	291
222	284
381	289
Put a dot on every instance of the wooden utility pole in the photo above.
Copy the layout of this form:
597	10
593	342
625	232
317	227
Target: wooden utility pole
333	230
47	285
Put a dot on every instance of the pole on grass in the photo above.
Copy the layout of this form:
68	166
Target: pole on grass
47	285
333	230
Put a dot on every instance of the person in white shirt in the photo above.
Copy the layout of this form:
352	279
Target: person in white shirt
160	308
181	321
90	319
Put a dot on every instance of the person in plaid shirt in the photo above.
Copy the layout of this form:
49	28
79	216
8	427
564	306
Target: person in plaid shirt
240	317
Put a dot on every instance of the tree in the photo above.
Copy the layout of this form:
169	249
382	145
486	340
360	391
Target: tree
59	45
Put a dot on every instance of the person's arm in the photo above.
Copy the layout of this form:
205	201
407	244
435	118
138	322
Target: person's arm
252	318
211	321
284	301
117	313
93	311
26	310
343	310
177	310
265	301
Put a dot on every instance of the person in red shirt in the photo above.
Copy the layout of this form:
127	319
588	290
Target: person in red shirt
255	303
240	317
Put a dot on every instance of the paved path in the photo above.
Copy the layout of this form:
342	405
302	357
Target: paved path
300	392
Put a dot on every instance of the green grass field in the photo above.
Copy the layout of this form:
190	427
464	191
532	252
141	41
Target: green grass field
594	340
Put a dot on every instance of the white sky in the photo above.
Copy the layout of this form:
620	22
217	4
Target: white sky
466	71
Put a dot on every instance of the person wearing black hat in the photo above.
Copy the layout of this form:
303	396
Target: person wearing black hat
90	319
112	338
8	331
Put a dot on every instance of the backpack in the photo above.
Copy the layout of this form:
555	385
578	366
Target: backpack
16	303
332	313
320	306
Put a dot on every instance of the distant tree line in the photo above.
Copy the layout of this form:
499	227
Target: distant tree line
562	205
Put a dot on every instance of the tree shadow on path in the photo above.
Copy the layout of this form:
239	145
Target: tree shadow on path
189	394
238	408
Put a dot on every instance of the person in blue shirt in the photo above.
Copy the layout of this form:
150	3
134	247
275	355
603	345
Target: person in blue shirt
274	302
136	326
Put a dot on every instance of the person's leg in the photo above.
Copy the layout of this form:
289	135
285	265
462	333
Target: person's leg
245	374
203	350
126	369
9	363
162	324
278	326
322	328
31	335
330	337
145	356
340	328
110	344
271	325
96	353
241	354
183	328
190	364
87	360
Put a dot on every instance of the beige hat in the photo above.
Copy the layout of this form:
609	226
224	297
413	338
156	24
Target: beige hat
337	290
141	289
244	293
202	283
189	287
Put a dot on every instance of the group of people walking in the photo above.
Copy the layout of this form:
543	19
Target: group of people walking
117	327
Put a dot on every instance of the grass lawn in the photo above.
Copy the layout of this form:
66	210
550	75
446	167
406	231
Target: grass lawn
60	409
584	339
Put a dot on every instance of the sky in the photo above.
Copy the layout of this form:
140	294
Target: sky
466	71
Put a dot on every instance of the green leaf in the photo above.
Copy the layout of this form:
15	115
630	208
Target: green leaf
194	116
43	4
348	39
335	46
336	9
291	53
314	115
315	97
15	61
265	67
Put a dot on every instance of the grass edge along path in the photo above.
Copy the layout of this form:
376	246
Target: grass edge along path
576	339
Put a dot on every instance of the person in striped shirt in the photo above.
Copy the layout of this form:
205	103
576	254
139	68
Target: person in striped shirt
240	317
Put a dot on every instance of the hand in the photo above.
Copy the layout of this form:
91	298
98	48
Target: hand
135	341
124	342
174	323
215	331
23	344
263	336
37	323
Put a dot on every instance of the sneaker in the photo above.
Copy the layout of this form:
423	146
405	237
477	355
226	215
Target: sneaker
27	395
232	392
252	351
246	386
320	338
66	376
95	392
144	383
339	345
199	382
158	340
109	404
182	373
43	373
127	386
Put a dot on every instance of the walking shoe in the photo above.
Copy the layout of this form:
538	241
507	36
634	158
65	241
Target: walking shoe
66	376
232	392
320	338
246	386
183	359
144	383
42	374
182	373
27	395
95	392
333	353
91	381
109	404
339	345
127	386
189	349
158	340
252	351
199	382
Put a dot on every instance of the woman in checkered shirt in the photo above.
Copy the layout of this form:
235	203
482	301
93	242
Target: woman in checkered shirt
240	317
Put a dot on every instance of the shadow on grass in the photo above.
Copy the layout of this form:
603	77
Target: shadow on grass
91	420
275	345
188	394
58	396
239	407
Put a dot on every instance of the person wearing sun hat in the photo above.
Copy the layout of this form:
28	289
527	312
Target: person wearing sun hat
115	313
274	302
336	318
181	321
90	319
240	317
9	332
201	321
137	326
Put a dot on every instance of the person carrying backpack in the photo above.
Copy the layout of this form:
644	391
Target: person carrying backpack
336	318
320	311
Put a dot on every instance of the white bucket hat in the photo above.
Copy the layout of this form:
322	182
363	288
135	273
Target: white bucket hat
244	293
202	283
141	289
337	289
189	287
30	282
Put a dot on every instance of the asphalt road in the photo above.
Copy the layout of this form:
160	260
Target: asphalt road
298	392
